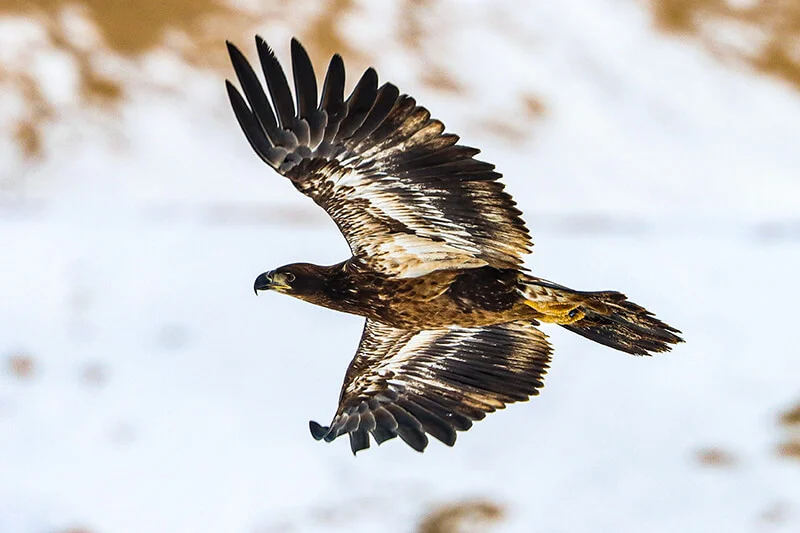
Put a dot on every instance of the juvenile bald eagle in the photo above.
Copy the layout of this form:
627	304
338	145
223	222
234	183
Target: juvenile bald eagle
436	264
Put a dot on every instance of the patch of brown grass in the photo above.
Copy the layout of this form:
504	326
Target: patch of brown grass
455	517
28	137
196	29
323	36
125	28
774	49
27	131
437	77
532	106
791	417
508	131
790	420
515	127
716	457
105	37
790	449
419	30
21	366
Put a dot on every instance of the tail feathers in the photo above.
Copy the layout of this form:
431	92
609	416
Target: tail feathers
611	319
606	317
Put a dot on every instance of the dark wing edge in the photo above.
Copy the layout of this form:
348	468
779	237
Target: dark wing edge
378	164
284	137
434	382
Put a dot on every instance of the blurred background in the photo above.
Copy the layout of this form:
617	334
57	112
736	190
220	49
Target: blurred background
653	146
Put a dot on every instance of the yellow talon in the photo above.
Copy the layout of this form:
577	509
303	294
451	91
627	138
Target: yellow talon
557	313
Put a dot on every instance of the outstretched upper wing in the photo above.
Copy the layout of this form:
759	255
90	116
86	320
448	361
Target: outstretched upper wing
407	198
410	383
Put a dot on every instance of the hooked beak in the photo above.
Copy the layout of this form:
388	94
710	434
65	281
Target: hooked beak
263	282
270	281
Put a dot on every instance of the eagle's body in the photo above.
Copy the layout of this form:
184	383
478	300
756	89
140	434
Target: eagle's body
436	268
473	297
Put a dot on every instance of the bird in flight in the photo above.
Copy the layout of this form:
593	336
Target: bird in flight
436	268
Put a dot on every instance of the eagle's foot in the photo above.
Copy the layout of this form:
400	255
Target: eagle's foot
557	313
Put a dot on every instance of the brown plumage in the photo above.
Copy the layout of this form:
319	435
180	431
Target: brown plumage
436	265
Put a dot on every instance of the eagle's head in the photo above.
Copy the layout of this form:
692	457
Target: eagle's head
297	279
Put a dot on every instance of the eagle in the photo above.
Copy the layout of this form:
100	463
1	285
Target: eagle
437	256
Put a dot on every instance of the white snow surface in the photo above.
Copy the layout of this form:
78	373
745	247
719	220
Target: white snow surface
654	170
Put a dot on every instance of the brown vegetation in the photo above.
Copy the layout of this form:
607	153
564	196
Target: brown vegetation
194	29
790	449
461	516
101	38
21	366
716	457
790	420
791	417
767	33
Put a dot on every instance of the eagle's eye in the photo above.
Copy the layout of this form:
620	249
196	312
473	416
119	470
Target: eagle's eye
289	277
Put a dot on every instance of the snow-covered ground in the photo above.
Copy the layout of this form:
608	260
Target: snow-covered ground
164	396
